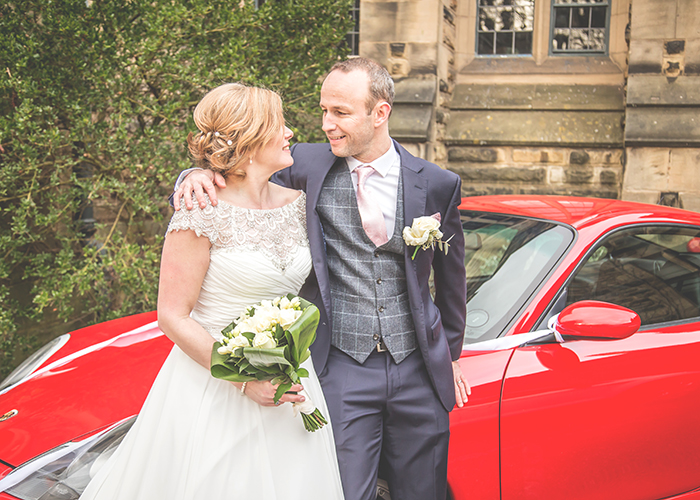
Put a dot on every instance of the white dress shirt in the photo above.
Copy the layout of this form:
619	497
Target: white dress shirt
383	184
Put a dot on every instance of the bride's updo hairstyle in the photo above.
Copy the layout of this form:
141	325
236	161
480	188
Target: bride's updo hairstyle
235	121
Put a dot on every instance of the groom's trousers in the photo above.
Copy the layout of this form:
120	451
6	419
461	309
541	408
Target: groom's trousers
388	411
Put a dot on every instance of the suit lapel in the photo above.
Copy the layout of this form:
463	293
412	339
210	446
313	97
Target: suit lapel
314	184
315	179
415	193
415	187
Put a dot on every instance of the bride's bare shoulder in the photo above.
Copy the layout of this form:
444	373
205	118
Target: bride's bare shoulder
283	195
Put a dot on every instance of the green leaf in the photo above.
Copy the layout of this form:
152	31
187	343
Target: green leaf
228	329
265	358
220	369
281	389
303	331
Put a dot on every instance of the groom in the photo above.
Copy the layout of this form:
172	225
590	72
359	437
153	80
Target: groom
385	351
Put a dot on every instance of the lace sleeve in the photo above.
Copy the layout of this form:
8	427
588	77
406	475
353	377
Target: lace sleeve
199	220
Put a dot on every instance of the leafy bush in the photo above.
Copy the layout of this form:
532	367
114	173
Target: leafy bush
95	104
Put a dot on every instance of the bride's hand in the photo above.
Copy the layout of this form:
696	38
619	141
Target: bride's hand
263	392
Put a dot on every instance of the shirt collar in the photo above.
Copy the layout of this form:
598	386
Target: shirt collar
382	165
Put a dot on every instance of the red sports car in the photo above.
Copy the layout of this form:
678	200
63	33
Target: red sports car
582	346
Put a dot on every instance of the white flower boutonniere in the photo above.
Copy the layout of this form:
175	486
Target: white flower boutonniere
425	233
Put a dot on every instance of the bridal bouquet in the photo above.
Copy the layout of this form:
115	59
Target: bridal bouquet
270	341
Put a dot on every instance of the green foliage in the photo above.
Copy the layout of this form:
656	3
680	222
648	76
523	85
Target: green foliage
95	104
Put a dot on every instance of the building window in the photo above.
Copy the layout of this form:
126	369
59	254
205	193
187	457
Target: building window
353	36
580	26
505	27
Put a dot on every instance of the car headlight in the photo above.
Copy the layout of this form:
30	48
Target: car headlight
32	362
64	472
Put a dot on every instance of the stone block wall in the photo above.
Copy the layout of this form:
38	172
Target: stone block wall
625	124
415	41
537	139
662	118
538	170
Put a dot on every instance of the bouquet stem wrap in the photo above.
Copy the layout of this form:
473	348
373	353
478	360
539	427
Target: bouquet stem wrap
270	341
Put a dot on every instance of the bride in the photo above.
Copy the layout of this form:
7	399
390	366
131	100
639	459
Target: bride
198	437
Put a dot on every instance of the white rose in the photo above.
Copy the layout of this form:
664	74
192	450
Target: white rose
262	322
421	230
264	340
264	304
225	349
288	317
425	225
247	325
285	303
413	239
239	341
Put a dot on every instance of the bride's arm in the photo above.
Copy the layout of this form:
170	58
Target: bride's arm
184	264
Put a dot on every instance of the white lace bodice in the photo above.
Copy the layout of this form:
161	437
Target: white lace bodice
255	255
275	232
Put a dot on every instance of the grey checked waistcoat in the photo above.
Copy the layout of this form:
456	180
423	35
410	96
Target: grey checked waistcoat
369	295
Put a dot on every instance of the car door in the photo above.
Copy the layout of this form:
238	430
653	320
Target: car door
613	419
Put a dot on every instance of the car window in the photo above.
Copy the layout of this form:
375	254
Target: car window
506	259
653	270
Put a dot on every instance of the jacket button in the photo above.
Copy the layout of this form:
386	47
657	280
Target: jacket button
381	309
375	336
379	281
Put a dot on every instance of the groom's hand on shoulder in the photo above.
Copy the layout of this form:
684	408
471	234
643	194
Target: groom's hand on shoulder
198	182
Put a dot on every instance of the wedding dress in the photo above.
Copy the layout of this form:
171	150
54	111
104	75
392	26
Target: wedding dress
198	437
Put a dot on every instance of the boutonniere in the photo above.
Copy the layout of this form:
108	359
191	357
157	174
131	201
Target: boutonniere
425	233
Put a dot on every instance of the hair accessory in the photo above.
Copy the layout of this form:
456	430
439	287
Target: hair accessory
217	134
229	142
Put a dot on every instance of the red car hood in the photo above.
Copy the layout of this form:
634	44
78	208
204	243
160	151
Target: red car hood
105	373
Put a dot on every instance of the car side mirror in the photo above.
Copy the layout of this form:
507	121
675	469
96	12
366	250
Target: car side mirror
595	320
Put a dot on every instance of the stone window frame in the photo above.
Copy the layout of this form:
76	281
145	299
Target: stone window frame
352	37
539	22
571	4
541	62
513	31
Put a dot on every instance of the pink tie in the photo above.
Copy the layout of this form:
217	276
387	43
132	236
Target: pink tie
370	213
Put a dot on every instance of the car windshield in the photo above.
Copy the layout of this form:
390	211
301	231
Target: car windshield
506	259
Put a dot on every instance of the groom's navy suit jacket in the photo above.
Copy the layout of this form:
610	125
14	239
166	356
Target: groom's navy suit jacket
427	189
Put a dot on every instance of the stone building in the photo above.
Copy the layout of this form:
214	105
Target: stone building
581	97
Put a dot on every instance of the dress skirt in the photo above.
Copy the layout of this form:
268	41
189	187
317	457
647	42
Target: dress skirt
198	437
